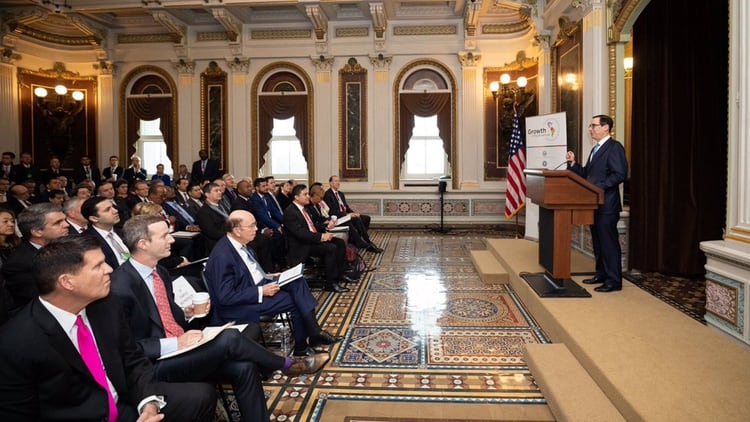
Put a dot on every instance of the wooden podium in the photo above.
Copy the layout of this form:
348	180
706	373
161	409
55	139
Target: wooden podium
564	199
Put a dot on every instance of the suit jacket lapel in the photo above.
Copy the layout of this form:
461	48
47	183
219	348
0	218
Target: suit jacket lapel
144	295
58	338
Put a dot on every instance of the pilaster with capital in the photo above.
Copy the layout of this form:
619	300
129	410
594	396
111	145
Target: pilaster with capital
9	101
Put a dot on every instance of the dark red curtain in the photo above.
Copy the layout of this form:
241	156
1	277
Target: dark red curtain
679	134
425	105
281	107
149	109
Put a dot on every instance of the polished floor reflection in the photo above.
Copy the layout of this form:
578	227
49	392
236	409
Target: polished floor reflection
419	328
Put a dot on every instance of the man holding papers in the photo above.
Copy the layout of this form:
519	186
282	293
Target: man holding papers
241	291
160	327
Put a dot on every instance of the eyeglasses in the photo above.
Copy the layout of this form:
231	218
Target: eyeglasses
593	125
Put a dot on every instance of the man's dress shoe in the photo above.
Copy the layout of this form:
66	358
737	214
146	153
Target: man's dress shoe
348	279
324	338
307	351
374	248
307	364
607	288
336	288
592	280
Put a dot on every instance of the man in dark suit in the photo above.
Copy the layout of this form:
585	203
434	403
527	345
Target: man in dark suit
338	206
320	210
160	326
102	216
264	213
211	218
606	168
26	170
241	291
87	171
79	361
39	225
205	169
53	170
7	169
114	171
305	239
135	171
18	200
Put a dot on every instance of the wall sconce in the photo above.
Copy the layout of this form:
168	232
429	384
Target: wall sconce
511	96
62	110
627	64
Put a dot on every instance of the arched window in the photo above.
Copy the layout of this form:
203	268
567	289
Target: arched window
282	125
426	123
150	104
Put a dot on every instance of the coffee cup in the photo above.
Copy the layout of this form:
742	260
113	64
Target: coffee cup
200	303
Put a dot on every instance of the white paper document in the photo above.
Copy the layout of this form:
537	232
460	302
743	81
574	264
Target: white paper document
183	292
291	274
209	333
343	220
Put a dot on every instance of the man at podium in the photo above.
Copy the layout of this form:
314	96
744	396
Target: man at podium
606	168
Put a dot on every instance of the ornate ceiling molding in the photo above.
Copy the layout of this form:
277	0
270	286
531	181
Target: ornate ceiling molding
379	19
176	28
319	20
425	30
471	17
280	34
239	64
469	58
231	24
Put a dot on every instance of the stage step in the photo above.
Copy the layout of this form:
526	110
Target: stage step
489	269
571	394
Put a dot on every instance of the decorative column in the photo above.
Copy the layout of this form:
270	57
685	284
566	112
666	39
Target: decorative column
326	122
189	126
595	63
470	127
9	121
728	260
240	153
108	122
380	97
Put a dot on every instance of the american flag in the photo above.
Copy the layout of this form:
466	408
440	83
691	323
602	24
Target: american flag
515	193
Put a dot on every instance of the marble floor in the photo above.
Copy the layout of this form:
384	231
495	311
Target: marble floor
420	329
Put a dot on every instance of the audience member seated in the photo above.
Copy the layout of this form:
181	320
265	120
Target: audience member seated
319	210
70	355
76	222
273	203
160	326
9	240
211	217
102	217
241	291
305	240
39	225
284	195
114	172
160	175
18	199
139	193
263	212
338	206
196	200
135	171
83	190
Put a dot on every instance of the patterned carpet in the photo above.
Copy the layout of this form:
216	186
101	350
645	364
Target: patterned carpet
422	328
686	294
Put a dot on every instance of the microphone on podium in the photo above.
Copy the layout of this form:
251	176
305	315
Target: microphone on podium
561	164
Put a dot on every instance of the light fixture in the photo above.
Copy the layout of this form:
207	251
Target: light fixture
77	95
40	92
627	64
61	89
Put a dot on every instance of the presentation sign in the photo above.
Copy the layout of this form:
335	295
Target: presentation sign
546	145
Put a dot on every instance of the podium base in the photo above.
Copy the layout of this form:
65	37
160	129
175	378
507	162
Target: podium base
546	286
